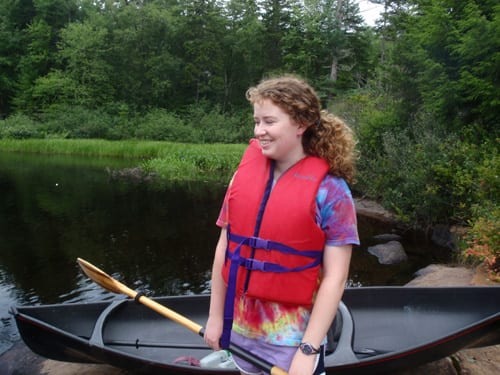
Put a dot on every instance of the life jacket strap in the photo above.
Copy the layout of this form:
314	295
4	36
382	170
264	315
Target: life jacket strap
258	265
229	299
260	243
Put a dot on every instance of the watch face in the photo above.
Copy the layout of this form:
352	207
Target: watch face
307	349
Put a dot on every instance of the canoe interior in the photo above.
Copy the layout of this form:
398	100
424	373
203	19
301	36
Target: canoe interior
408	317
394	328
130	328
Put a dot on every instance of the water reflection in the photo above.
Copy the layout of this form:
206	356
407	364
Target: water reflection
55	209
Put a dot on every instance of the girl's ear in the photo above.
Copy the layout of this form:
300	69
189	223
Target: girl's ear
301	129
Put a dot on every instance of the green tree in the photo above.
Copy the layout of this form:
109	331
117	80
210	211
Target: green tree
84	48
244	62
15	16
329	43
144	69
276	18
444	60
477	55
201	30
40	36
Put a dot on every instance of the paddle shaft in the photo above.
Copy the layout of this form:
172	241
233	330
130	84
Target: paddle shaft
107	282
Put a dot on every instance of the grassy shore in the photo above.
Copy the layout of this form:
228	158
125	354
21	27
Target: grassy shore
179	161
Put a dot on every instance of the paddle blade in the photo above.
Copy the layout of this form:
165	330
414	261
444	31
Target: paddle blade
100	277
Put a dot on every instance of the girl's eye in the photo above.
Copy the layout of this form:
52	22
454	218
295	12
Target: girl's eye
264	122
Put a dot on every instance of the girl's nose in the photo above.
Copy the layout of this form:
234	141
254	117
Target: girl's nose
258	130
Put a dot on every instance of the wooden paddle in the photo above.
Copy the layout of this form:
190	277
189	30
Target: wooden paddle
107	282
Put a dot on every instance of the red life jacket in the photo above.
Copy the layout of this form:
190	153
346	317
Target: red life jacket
276	253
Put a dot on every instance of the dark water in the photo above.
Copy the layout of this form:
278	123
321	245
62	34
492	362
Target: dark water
156	238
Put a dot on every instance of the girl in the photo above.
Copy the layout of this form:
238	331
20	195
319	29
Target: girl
288	224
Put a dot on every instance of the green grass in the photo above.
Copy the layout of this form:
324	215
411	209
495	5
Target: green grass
193	162
85	147
177	161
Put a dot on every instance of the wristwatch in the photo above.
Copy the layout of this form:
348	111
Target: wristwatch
308	349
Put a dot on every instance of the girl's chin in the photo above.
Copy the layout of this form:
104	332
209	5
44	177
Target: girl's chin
266	150
269	155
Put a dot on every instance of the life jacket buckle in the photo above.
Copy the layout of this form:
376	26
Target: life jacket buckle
255	265
258	243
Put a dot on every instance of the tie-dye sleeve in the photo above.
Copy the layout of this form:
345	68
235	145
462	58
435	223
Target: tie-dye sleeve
223	219
335	212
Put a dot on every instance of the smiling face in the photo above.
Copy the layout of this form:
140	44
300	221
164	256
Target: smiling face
279	136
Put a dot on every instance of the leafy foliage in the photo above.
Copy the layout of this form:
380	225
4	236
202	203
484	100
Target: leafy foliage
19	126
167	54
482	243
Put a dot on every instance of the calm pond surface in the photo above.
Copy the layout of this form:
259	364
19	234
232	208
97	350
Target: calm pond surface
156	238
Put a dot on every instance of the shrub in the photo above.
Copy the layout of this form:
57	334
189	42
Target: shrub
399	172
211	125
19	126
426	174
160	125
79	122
482	243
466	175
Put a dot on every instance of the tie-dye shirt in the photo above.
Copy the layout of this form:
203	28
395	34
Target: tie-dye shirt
282	324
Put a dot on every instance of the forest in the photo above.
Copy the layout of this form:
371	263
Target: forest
420	88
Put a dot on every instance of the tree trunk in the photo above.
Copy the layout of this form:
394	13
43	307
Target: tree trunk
335	59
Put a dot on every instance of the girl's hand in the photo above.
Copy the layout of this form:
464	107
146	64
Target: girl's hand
302	364
213	333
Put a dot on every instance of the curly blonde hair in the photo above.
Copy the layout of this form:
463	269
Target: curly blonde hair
326	135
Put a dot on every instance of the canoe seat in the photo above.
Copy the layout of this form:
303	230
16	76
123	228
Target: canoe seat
96	337
340	337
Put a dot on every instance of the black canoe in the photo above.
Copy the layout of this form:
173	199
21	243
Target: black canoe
382	329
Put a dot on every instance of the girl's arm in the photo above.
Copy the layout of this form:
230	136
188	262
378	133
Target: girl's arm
336	260
213	329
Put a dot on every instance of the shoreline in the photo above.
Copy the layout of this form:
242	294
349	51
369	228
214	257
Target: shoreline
19	360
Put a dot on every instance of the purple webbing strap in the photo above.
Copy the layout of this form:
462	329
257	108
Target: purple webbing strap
230	297
258	265
260	243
